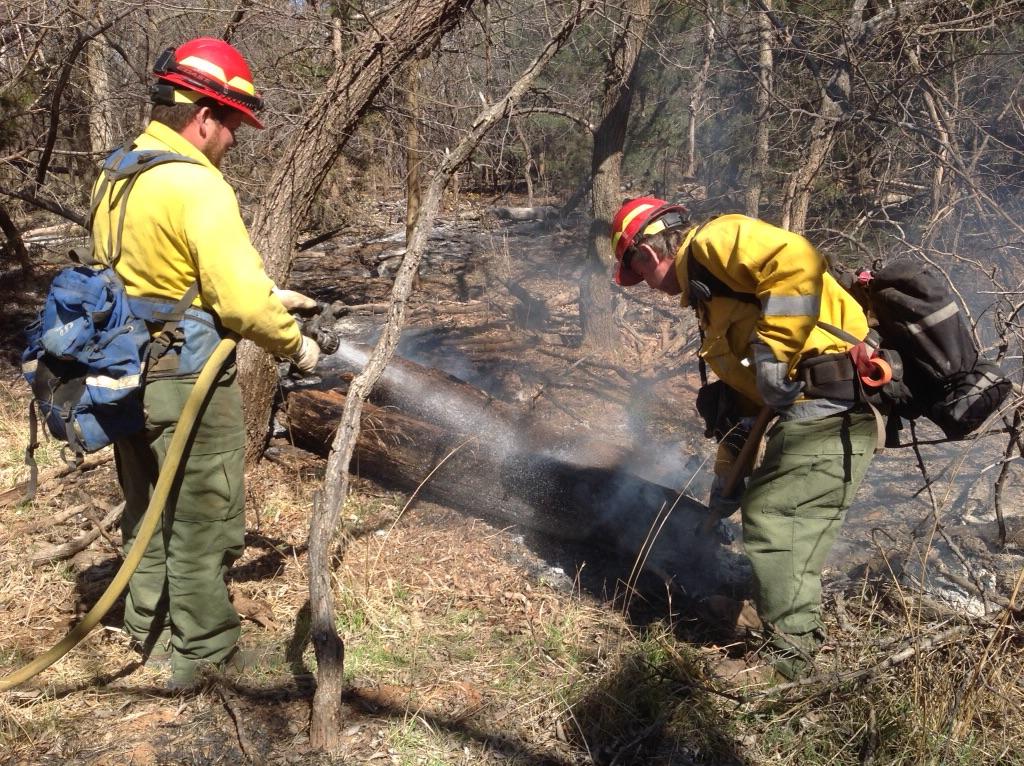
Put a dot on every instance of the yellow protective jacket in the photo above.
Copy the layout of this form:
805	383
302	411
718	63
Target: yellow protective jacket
183	224
790	279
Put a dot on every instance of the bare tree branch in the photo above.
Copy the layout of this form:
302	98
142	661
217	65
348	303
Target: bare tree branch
324	728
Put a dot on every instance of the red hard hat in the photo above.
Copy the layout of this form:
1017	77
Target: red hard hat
213	68
635	220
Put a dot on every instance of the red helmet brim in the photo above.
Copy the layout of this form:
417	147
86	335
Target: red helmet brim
626	277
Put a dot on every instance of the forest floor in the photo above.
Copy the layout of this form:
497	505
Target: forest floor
465	644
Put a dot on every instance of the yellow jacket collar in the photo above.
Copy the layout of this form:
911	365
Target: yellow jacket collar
177	143
682	272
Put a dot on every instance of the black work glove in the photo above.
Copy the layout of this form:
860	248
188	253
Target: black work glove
717	405
723	505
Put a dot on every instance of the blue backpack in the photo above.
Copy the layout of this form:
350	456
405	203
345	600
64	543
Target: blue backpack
88	349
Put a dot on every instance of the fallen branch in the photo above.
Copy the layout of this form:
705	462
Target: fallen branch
821	683
244	743
90	514
80	543
622	372
361	308
53	520
17	493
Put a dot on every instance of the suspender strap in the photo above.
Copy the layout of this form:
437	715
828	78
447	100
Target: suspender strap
704	285
126	163
171	332
843	334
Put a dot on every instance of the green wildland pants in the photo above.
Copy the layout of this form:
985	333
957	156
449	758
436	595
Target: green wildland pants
793	509
178	591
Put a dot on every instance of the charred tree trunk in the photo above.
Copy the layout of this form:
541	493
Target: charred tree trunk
596	299
389	43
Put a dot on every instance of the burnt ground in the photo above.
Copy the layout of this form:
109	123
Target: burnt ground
468	641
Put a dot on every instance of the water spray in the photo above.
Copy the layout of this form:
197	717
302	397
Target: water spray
549	485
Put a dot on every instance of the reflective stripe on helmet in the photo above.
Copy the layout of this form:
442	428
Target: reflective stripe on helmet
626	221
208	67
642	217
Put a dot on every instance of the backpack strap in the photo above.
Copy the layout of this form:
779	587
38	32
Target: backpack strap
126	163
30	451
129	163
842	334
702	285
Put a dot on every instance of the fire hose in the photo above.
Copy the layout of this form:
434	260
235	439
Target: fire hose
168	473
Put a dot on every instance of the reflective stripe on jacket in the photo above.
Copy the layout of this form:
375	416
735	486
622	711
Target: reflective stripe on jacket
182	225
790	279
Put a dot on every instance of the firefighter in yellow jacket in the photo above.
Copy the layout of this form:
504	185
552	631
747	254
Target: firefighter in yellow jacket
173	230
763	299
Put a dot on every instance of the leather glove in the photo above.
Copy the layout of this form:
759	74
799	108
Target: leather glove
773	382
721	505
307	356
717	404
294	301
736	437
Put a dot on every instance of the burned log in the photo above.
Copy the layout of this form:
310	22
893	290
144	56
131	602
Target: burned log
464	449
539	213
434	396
532	490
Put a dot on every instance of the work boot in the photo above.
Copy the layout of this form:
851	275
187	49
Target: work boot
154	654
189	676
792	655
736	619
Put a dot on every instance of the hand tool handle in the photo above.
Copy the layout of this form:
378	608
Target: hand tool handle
741	465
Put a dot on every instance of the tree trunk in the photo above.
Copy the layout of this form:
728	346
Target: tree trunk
393	39
697	98
413	152
101	119
835	99
762	102
325	725
528	163
14	246
596	299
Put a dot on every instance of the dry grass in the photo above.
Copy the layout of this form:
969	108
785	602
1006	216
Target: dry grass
464	648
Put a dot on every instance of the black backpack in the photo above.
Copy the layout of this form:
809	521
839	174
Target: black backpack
937	366
918	317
